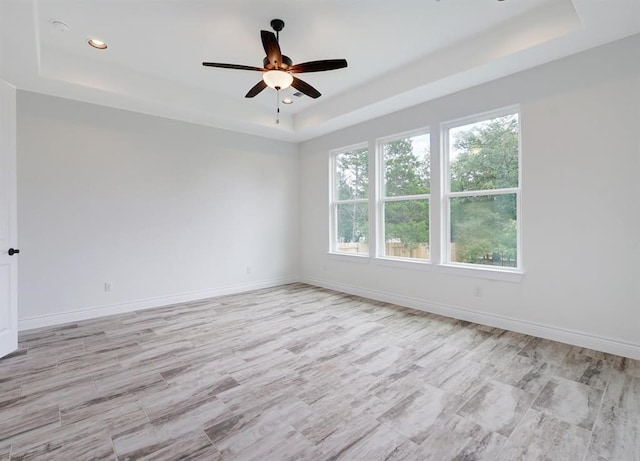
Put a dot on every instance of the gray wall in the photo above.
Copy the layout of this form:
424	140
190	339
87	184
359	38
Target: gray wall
164	210
580	119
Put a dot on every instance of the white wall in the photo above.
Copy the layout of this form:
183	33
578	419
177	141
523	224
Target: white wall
166	211
580	122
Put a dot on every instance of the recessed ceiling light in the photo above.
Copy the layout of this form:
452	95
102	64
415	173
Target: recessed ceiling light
287	101
99	44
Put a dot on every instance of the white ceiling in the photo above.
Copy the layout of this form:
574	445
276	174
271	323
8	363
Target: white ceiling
400	53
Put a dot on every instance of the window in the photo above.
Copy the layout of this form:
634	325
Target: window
350	201
405	176
467	224
482	191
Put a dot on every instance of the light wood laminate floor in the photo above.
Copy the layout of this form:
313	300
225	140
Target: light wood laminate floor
302	373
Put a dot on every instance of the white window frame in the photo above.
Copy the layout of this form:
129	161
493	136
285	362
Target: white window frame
334	201
381	198
478	270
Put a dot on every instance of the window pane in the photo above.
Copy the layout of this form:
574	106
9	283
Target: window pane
484	230
484	155
406	229
352	174
353	227
407	166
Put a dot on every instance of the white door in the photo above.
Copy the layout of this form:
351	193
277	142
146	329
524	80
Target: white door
8	227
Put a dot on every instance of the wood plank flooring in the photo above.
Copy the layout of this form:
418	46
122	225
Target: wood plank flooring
302	373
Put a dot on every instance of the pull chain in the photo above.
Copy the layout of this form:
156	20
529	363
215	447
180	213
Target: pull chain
277	105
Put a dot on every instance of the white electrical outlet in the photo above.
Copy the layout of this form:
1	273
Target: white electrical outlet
478	292
107	286
248	269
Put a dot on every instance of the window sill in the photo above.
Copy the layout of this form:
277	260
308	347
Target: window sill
483	272
404	263
350	257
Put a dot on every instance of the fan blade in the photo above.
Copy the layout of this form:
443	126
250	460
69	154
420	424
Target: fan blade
256	89
232	66
271	47
305	88
318	66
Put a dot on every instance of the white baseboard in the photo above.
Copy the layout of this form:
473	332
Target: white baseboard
575	338
130	306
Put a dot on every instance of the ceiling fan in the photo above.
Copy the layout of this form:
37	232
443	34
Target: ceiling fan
278	69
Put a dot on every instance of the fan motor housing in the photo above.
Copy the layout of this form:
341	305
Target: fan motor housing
284	65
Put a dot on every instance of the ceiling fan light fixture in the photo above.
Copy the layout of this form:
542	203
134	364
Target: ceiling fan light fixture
277	79
277	68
